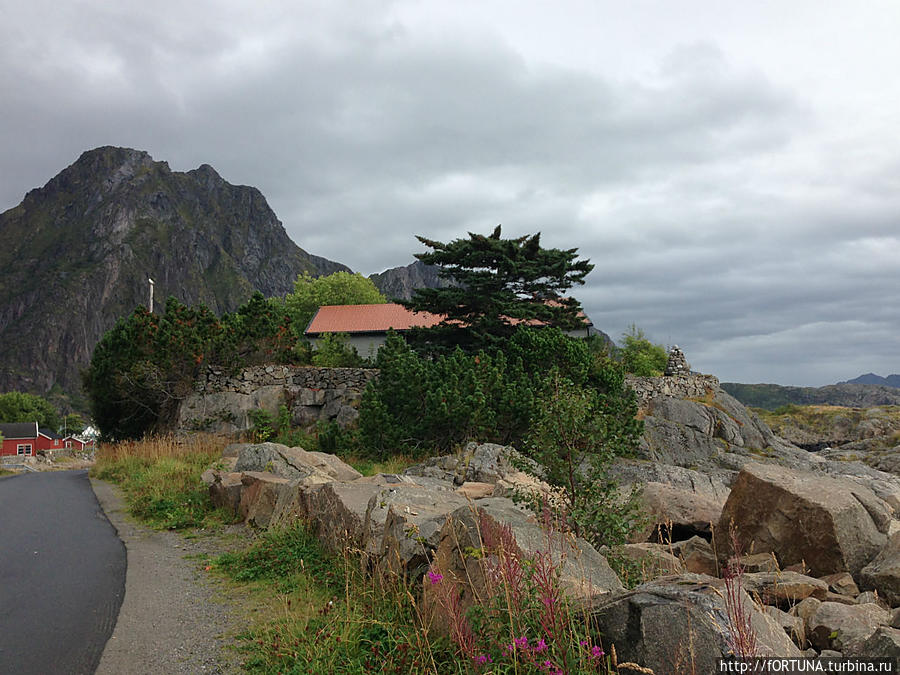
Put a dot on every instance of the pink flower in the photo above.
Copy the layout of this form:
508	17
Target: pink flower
540	646
596	652
434	577
483	659
521	642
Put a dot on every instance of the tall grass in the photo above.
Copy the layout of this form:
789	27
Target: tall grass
161	478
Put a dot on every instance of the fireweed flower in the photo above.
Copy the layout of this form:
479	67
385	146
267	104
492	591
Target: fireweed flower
540	646
521	642
596	652
434	577
483	659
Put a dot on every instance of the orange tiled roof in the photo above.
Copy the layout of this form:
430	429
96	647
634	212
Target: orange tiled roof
368	319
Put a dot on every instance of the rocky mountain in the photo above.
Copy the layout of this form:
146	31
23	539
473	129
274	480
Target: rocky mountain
398	283
771	396
76	255
872	378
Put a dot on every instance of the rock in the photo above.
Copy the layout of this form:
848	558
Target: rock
473	490
653	560
784	588
674	514
294	463
225	491
758	562
226	412
697	555
259	495
232	450
841	583
883	643
404	525
883	573
793	625
337	513
496	528
805	608
676	624
845	627
485	463
825	522
871	597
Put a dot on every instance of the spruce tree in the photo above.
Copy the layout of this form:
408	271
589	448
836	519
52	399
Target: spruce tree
498	284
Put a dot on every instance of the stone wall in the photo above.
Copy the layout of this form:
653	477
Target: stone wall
223	403
678	386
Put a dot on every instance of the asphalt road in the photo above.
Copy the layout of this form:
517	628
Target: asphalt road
62	574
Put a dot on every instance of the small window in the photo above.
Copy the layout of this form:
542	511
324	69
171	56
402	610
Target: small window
24	449
68	444
55	441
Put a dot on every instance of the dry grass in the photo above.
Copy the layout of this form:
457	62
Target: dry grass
154	449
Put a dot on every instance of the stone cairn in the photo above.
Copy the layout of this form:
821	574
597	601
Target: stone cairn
677	364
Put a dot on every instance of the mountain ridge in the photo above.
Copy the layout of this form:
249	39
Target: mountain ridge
75	256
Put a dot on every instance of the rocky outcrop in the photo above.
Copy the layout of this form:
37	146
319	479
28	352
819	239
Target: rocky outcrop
845	628
399	283
76	254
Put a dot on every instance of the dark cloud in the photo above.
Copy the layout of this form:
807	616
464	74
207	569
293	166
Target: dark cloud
721	209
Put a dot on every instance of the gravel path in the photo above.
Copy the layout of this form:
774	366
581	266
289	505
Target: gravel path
173	619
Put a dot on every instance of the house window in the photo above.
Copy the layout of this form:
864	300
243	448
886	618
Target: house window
68	444
24	448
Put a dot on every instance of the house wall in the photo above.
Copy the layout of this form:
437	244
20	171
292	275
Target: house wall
10	445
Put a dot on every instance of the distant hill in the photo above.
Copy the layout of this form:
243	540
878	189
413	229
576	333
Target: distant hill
872	378
76	254
772	396
398	283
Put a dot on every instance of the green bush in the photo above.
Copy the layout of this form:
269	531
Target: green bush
640	356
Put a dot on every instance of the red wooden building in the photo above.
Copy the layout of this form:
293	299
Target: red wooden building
26	440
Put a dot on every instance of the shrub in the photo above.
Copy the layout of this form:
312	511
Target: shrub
640	356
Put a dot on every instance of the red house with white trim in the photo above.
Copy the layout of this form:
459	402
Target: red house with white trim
24	439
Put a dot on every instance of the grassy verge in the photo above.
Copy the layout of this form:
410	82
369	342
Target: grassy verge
161	479
326	616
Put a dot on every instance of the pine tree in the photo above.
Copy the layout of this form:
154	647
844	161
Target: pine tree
498	284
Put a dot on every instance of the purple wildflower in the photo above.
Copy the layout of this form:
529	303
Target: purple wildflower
540	646
483	659
596	652
521	642
434	577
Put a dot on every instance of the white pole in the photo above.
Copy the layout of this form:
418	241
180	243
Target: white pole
151	295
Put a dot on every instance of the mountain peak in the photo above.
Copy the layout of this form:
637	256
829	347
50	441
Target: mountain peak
75	256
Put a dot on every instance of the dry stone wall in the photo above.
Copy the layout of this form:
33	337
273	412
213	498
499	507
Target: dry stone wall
223	402
676	386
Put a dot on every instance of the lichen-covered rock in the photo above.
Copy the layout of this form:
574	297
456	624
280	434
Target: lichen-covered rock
681	623
294	463
832	525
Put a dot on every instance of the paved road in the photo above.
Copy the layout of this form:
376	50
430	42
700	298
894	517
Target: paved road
62	575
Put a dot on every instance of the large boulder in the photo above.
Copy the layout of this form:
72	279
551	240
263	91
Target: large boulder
337	513
259	494
676	624
476	537
784	589
830	524
403	524
294	463
883	643
883	573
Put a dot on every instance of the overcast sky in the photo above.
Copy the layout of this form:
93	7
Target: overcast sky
731	168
